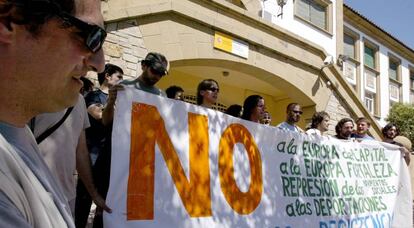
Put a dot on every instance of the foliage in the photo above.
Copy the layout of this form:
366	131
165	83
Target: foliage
403	116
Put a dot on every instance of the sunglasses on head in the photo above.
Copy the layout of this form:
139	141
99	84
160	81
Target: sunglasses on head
93	35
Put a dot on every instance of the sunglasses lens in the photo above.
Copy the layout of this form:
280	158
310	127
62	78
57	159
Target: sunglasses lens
95	39
160	73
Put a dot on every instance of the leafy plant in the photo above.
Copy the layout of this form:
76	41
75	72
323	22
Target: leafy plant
403	116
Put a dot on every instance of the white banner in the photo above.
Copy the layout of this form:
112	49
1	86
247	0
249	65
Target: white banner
179	165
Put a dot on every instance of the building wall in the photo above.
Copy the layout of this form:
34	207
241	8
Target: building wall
284	67
290	22
384	53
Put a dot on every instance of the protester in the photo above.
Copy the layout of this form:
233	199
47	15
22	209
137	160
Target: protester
235	110
68	36
344	128
95	102
87	86
175	92
391	135
154	67
293	113
207	93
253	108
96	135
320	123
363	125
266	119
390	131
62	143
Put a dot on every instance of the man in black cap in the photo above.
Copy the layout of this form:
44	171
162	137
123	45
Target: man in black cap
154	67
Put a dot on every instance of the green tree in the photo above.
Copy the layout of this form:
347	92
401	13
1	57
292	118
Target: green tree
403	116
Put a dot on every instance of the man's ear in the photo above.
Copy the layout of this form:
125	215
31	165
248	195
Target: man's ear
6	31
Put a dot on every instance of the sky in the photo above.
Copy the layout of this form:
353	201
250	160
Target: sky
394	16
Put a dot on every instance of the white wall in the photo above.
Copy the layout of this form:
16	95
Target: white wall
301	28
384	52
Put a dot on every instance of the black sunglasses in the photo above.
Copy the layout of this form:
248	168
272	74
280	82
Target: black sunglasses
93	35
158	72
298	112
213	89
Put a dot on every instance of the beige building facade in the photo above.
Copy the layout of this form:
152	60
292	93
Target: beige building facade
280	65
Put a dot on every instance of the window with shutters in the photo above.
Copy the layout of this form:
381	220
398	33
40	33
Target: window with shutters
394	81
316	12
371	95
393	70
369	57
349	46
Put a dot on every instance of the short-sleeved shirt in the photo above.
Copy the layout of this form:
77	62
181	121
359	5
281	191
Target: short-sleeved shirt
96	133
141	86
313	131
365	137
289	127
59	148
27	149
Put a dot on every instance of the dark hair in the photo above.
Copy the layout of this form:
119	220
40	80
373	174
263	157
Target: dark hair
204	85
172	90
249	104
34	13
87	84
388	127
291	106
157	62
317	118
234	110
110	69
341	123
363	119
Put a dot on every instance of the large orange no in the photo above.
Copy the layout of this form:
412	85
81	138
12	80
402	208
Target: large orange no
147	128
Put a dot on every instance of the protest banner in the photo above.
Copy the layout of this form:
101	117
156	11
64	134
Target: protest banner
179	165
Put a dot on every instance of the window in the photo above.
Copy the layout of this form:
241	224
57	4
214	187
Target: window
369	57
349	46
412	80
394	79
313	11
369	101
370	90
393	70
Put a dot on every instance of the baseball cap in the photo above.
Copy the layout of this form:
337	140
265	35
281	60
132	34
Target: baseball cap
157	62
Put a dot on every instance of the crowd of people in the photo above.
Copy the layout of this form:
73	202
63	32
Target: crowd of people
154	68
54	127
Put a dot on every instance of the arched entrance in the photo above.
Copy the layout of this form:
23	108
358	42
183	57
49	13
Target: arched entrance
237	81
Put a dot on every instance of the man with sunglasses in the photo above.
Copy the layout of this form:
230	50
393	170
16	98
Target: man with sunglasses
293	113
154	67
66	36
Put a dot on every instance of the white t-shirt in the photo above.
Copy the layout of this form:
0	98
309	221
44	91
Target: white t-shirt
59	148
313	131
